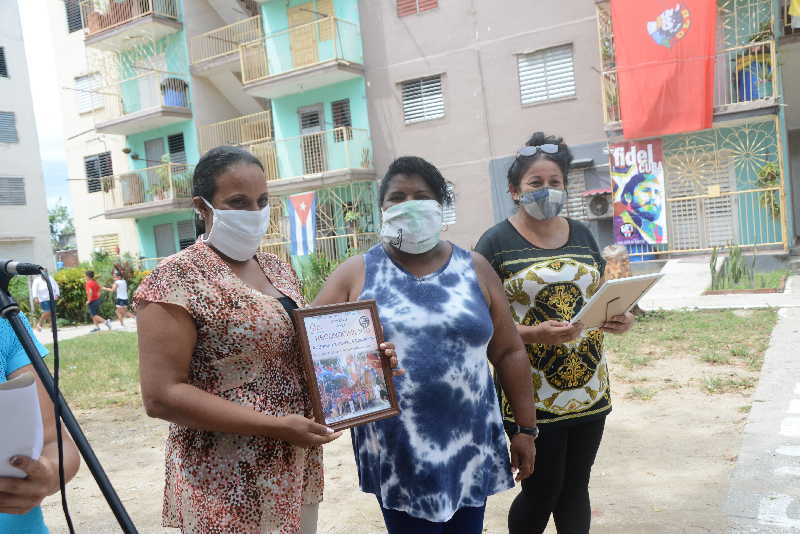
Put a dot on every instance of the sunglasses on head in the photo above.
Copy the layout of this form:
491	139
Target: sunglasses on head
532	150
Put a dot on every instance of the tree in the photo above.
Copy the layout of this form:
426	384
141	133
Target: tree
61	228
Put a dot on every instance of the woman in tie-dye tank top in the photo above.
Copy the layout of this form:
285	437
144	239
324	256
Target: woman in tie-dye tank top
433	466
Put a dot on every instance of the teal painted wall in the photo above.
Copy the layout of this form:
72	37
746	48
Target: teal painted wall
147	240
342	154
187	128
279	50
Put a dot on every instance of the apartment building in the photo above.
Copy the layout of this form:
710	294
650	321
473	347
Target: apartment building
465	84
24	229
150	85
730	184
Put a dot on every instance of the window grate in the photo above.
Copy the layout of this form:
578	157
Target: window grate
3	65
73	11
96	168
423	99
108	243
449	210
177	149
12	191
186	233
547	75
412	7
342	119
8	127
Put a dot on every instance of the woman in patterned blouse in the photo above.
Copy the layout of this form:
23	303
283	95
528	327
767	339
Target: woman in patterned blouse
550	266
219	359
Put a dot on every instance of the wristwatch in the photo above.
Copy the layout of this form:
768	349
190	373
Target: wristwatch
513	429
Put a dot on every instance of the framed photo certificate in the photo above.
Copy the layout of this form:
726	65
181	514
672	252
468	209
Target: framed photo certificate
350	383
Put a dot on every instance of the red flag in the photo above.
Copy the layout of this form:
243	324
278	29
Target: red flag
665	64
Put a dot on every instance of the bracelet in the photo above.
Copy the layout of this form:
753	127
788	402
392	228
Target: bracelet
514	429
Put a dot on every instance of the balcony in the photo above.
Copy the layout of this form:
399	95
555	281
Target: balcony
334	247
219	49
149	191
248	130
142	103
302	58
112	24
317	160
744	79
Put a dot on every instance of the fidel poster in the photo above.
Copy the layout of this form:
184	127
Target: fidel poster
665	65
637	186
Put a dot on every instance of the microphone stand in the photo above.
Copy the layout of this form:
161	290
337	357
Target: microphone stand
10	311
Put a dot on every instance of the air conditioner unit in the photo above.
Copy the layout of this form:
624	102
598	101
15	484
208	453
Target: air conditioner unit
599	206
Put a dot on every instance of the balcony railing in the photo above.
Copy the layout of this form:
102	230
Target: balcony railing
101	15
241	131
149	91
170	181
299	47
315	153
332	247
744	75
791	25
226	40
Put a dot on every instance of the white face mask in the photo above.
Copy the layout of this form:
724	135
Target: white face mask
237	233
412	226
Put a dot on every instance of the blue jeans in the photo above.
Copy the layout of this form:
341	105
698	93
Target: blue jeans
467	520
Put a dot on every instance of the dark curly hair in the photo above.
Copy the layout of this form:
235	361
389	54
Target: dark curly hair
412	165
562	158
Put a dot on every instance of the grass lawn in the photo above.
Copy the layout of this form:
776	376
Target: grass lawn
730	343
99	370
770	280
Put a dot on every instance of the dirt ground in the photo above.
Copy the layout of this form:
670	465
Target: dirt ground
663	467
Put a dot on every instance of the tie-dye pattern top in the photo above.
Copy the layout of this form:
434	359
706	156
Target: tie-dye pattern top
446	450
570	381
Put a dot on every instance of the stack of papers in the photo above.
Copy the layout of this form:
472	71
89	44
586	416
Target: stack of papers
22	423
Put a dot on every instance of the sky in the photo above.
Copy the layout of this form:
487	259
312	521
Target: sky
46	95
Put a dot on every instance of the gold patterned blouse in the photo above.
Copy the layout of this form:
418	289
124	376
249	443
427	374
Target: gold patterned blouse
570	380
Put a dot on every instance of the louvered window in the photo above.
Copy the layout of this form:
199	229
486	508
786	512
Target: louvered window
546	75
8	127
74	21
449	211
88	97
412	7
342	122
3	66
177	150
12	191
576	186
97	167
108	243
186	233
423	99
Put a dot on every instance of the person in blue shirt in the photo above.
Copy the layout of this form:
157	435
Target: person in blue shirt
20	498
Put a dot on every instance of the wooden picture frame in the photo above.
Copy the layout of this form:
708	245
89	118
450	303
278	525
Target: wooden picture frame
336	341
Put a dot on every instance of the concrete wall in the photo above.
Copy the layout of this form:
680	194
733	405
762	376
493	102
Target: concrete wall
24	230
794	175
474	45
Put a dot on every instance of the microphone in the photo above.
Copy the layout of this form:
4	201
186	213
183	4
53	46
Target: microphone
13	267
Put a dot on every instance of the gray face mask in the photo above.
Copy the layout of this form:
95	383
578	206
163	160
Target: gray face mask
543	204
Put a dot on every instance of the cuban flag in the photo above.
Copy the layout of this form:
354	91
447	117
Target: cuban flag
303	223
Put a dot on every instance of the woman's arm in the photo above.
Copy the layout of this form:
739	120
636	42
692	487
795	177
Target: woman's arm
510	360
167	338
549	332
19	496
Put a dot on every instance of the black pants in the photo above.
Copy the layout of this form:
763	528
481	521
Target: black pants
559	484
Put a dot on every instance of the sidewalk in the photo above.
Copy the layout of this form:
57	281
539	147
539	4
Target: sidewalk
764	493
69	332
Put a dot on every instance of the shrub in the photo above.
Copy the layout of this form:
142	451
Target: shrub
72	304
313	277
18	287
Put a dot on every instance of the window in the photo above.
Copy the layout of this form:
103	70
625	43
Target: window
341	119
8	127
412	7
449	210
422	99
12	191
96	167
88	98
186	233
74	20
546	75
108	243
3	66
177	150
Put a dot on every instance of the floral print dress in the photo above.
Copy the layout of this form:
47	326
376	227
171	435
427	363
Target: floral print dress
247	352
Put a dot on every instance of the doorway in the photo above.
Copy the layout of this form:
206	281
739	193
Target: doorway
165	240
153	152
313	139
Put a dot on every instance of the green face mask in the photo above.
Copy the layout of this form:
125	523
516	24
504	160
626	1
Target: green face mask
412	226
